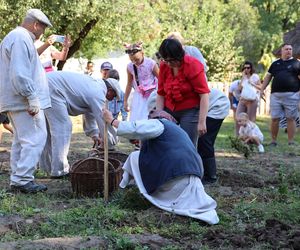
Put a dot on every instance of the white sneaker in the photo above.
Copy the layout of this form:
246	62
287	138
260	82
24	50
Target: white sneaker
261	148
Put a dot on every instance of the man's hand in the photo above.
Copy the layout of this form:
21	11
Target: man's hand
97	141
33	106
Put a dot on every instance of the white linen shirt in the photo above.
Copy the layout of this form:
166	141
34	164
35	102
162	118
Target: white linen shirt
219	104
22	76
141	129
81	94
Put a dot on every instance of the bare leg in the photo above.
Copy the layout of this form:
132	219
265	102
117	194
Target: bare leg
291	129
251	110
235	122
274	128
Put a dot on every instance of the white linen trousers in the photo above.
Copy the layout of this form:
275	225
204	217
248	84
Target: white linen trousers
29	139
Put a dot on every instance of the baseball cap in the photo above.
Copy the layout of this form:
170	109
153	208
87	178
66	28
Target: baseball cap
106	65
38	15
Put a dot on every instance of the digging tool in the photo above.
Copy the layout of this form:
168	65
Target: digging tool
105	145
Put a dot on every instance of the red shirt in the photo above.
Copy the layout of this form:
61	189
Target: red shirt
182	91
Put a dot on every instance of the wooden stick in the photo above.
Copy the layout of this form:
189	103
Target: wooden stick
105	142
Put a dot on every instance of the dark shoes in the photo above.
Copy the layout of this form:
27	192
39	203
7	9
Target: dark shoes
64	177
273	144
29	188
208	181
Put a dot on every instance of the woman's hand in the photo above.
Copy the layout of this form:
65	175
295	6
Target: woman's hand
107	115
67	42
126	107
202	128
51	39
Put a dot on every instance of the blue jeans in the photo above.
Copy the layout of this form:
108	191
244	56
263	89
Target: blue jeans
188	121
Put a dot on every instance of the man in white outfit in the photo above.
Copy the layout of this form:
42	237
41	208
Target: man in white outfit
74	94
168	168
24	94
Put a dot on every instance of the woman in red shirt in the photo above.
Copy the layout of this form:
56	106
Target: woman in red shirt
182	88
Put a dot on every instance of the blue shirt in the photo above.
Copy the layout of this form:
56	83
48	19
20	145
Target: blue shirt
116	106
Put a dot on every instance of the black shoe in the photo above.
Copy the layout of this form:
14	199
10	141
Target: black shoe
29	188
273	144
65	176
209	181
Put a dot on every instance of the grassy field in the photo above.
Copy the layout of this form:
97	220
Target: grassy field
258	205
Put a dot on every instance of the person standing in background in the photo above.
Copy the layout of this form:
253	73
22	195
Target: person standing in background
48	52
5	122
189	50
104	68
24	95
234	97
249	85
285	76
142	75
116	106
89	69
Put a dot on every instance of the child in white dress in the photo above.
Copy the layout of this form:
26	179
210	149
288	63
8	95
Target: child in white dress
249	132
142	77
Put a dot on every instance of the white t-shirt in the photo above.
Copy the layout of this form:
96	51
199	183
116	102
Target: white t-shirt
251	129
234	89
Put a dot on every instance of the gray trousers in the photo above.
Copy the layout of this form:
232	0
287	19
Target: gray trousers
188	121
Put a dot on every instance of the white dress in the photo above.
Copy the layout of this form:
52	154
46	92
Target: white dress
183	195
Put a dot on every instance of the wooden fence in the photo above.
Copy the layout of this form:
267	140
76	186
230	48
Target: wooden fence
264	106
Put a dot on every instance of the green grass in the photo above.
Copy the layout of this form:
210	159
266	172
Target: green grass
127	213
263	122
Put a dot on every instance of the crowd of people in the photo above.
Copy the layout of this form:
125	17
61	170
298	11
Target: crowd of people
174	115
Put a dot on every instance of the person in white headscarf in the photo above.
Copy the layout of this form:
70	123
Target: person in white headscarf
24	95
167	169
74	94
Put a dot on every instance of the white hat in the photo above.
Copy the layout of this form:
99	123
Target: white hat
116	87
38	15
151	102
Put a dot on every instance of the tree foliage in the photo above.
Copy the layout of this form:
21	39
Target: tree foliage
226	32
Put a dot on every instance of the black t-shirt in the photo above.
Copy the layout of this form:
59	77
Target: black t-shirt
285	75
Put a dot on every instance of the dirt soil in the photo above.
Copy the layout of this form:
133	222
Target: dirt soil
239	178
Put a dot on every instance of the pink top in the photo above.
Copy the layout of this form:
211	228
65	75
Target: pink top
145	73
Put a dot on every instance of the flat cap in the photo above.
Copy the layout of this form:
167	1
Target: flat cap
116	87
38	15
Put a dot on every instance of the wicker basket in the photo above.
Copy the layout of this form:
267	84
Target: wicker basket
122	157
87	176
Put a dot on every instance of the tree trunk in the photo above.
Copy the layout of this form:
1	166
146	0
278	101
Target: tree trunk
77	43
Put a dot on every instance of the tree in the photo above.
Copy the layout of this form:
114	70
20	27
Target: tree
240	16
276	18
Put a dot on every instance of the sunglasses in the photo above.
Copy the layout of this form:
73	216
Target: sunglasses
169	60
131	51
247	68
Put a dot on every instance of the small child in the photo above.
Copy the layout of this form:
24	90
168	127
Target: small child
5	121
249	132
